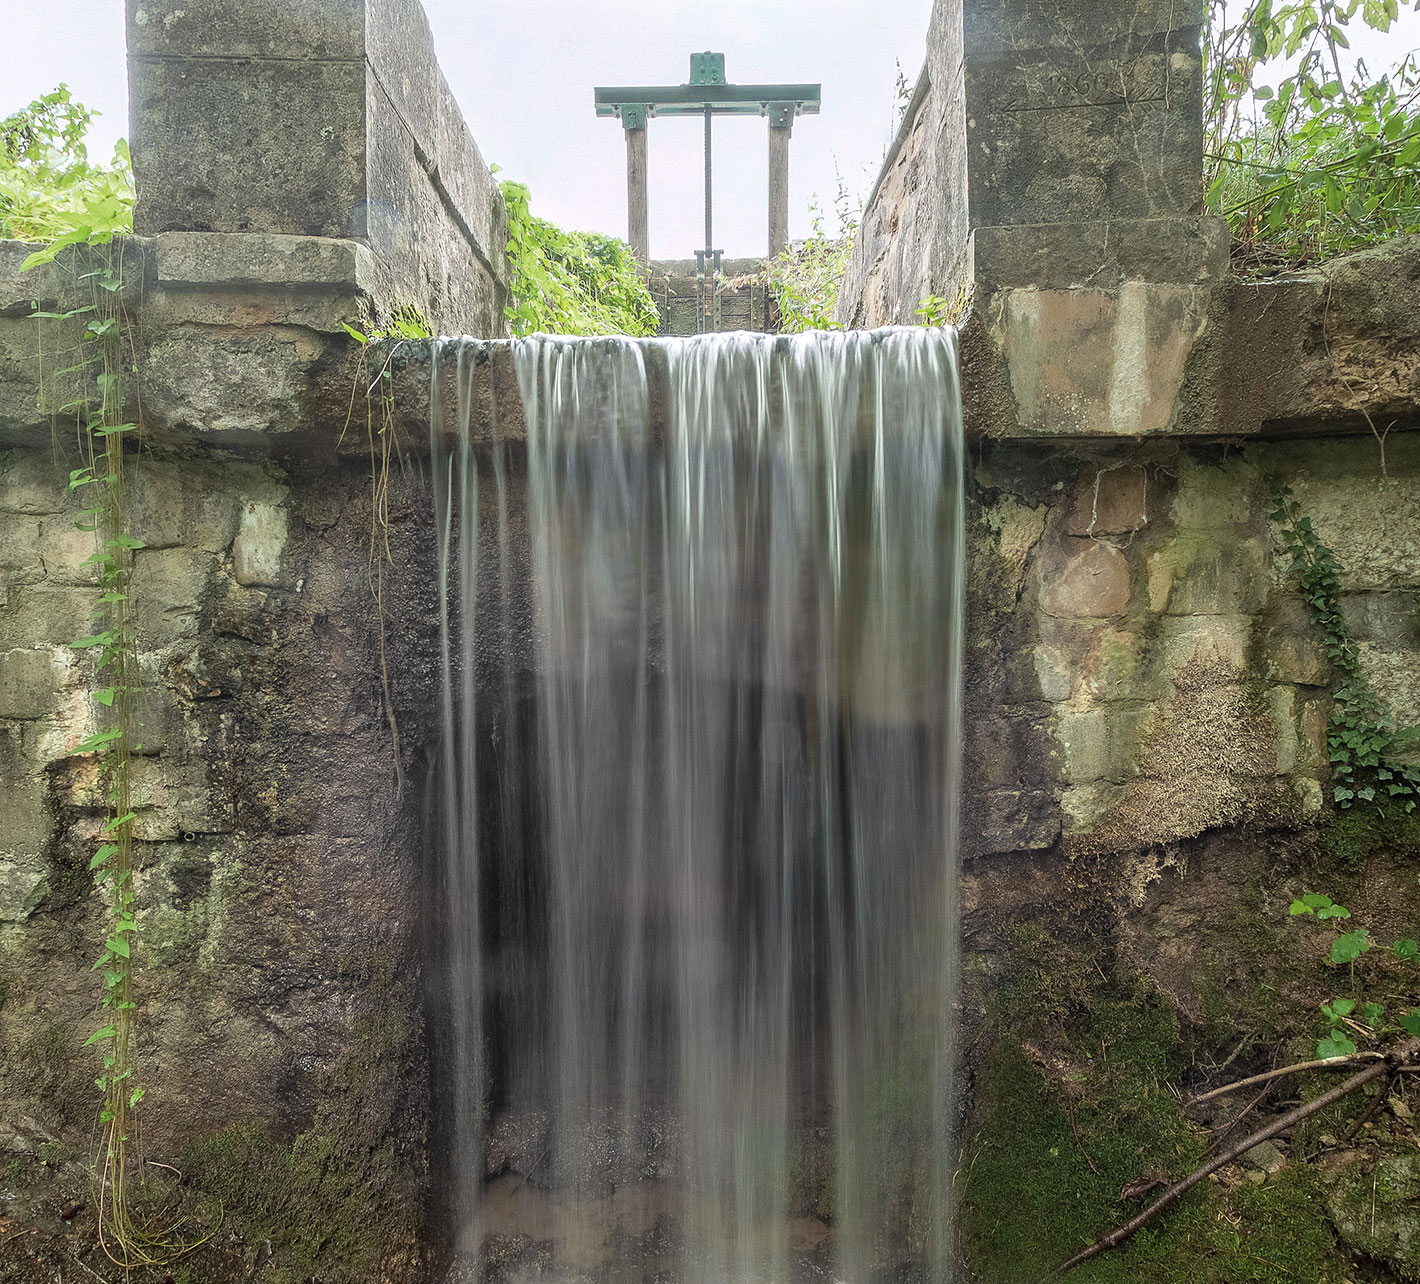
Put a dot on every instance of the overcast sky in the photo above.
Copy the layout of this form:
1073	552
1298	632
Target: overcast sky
524	70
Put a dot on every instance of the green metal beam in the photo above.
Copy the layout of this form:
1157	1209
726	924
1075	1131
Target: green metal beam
692	100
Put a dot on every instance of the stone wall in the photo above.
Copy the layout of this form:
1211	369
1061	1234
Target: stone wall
298	168
1143	670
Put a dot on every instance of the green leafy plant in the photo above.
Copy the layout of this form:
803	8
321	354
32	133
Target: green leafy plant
1348	1015
1363	741
938	310
1323	163
806	276
49	188
564	282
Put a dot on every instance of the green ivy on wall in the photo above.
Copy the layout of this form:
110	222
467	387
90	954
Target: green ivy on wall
1363	741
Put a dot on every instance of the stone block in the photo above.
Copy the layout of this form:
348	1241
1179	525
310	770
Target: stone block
312	29
172	801
169	587
1212	575
1084	806
45	612
1084	578
192	507
51	549
1371	523
74	719
24	883
1395	677
224	144
25	821
1389	620
1211	496
1109	501
1056	669
29	678
1016	820
240	388
260	542
1095	362
1096	660
1301	720
1096	126
1215	643
1016	529
1293	647
1102	254
33	484
1102	743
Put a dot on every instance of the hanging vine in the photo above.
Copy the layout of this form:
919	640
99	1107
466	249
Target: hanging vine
102	357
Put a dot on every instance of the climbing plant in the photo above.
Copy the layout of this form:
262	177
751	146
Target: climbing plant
1363	741
96	375
49	190
1322	162
565	282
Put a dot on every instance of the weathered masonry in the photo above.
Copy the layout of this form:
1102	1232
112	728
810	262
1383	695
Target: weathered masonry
1148	704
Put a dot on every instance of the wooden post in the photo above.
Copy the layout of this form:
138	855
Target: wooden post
781	123
638	230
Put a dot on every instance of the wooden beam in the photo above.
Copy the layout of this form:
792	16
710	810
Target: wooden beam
638	227
778	188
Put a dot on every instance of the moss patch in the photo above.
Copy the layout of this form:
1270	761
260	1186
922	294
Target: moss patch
1351	837
342	1203
318	1201
1032	1198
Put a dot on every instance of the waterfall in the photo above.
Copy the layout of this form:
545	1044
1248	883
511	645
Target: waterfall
696	801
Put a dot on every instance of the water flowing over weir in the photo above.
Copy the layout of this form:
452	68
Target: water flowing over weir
696	805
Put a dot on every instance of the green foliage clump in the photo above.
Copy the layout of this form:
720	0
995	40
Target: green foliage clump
1363	741
1355	1013
1330	164
565	282
806	276
49	188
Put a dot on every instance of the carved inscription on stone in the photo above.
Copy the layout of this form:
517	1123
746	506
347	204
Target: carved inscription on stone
1065	82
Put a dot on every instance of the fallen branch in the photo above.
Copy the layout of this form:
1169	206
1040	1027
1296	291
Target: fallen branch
1364	1117
1326	1063
1387	1064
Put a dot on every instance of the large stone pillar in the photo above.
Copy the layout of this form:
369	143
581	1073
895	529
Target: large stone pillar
1047	182
325	118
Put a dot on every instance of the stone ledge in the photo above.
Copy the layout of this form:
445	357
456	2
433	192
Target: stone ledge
273	259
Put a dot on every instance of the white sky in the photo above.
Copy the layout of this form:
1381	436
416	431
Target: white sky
523	72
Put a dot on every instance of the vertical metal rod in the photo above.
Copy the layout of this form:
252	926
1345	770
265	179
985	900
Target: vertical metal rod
709	235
